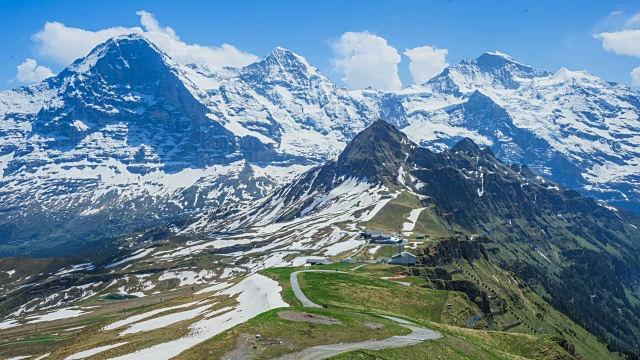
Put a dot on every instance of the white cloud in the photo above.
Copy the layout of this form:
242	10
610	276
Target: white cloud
365	60
635	76
151	24
29	71
212	56
426	62
633	22
624	42
63	44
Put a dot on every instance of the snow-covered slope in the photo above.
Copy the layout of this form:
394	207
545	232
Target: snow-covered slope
285	102
126	136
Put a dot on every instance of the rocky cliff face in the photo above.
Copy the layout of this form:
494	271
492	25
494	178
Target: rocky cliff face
449	251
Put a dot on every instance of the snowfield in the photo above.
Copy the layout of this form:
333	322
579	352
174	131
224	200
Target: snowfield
86	354
255	294
56	315
413	217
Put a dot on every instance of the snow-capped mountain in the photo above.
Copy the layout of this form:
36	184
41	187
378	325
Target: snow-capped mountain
126	136
119	136
573	127
286	103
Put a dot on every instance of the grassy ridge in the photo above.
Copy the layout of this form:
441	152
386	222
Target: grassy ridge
363	291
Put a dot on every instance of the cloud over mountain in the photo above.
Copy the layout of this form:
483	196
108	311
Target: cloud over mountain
62	44
426	62
364	59
30	71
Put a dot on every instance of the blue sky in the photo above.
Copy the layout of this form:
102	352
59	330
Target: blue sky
545	34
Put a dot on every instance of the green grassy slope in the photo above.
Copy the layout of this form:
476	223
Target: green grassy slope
362	291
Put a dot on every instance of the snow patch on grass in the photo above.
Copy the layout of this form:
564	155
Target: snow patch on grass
56	315
87	353
413	217
255	294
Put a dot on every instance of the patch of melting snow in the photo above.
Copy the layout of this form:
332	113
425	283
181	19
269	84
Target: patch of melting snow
219	311
544	256
401	176
136	318
213	288
197	247
9	323
481	190
74	268
87	353
343	246
188	277
413	217
165	320
56	315
136	255
256	295
373	250
75	328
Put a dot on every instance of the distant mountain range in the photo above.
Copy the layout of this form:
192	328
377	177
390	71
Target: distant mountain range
127	138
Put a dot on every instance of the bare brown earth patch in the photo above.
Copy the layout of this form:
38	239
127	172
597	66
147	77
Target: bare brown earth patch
373	325
301	316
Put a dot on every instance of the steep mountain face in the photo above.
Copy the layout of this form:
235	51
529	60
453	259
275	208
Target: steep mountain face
127	137
120	134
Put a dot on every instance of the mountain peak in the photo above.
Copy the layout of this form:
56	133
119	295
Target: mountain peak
375	153
498	55
380	131
382	126
280	65
565	75
279	50
491	69
286	59
124	51
492	61
130	37
468	146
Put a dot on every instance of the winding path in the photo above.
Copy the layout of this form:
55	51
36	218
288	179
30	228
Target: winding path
418	333
298	292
